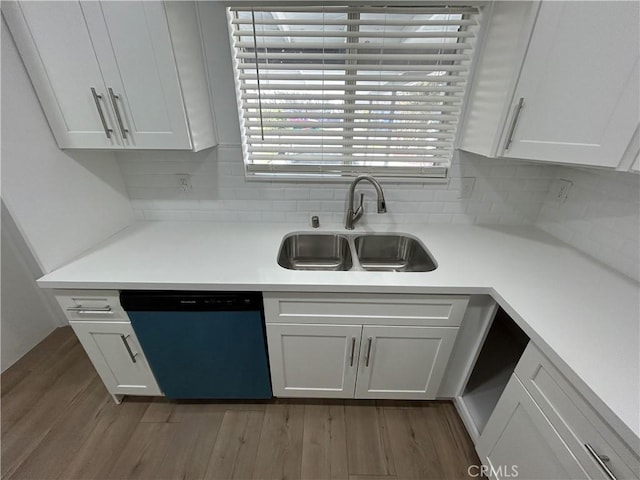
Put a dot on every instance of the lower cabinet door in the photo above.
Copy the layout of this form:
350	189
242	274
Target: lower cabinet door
520	442
403	362
313	360
114	350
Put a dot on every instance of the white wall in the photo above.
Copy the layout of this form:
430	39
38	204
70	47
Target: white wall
63	202
601	216
28	313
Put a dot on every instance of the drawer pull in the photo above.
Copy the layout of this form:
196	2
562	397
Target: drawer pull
99	310
126	345
368	352
600	460
353	349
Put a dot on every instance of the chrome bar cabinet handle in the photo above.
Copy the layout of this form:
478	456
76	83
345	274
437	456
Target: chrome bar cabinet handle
100	310
368	352
96	98
514	122
601	460
114	102
126	345
353	349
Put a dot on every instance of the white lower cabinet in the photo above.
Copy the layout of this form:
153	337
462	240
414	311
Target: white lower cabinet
519	441
105	332
117	356
403	362
362	346
313	360
544	429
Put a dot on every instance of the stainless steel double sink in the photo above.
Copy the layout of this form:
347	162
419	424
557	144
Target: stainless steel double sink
372	251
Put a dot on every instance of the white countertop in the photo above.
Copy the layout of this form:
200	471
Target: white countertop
583	315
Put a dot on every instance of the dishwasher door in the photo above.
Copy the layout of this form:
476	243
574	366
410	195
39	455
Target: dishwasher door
204	350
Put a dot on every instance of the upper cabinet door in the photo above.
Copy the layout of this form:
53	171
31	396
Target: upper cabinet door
576	100
108	75
55	45
133	45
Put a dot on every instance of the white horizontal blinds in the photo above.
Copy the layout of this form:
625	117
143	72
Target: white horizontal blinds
348	90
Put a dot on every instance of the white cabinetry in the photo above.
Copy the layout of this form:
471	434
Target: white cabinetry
403	362
519	441
367	346
116	75
543	426
313	360
104	330
576	99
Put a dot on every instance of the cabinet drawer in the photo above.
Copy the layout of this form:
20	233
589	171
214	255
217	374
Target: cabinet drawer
575	419
369	309
91	305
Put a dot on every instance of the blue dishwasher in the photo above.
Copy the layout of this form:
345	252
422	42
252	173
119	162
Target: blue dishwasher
202	344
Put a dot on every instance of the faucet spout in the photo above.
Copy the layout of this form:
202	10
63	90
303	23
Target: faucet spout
353	215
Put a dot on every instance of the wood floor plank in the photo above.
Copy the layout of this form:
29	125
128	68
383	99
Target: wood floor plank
159	410
448	430
35	385
142	454
33	361
280	450
414	452
21	438
367	441
234	453
192	442
67	436
324	446
113	429
203	431
372	477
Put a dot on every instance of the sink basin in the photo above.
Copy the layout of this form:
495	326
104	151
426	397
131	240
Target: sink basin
306	251
396	253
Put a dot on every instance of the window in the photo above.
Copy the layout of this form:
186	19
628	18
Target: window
340	91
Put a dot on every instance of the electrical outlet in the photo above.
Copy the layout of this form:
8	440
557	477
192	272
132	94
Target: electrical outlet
466	186
184	182
560	189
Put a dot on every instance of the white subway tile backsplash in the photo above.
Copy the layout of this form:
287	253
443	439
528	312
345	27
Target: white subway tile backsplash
296	193
440	218
447	196
600	217
488	219
219	187
317	194
284	206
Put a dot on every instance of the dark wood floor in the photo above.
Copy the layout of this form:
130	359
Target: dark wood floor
58	422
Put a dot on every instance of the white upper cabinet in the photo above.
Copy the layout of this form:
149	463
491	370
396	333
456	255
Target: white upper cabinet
575	99
110	74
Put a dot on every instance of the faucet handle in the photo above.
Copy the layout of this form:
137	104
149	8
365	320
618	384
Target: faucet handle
361	200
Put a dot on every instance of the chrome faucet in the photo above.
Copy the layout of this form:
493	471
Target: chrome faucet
354	216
